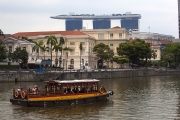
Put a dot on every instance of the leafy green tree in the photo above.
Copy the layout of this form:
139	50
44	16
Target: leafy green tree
57	47
3	53
120	60
9	56
103	52
67	50
1	34
38	46
171	54
80	48
52	40
3	50
20	54
44	49
136	50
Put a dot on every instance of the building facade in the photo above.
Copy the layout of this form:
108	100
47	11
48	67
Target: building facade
150	36
88	38
157	41
112	37
72	40
12	42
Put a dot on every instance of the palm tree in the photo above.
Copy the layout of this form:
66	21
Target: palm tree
57	47
52	40
62	42
67	50
38	45
80	48
44	49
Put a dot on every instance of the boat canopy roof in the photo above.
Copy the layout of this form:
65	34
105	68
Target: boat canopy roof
72	81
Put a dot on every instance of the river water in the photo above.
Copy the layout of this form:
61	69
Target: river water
140	98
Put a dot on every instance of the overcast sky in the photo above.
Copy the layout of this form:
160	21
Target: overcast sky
34	15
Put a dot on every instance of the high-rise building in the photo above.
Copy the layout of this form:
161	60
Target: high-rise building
75	21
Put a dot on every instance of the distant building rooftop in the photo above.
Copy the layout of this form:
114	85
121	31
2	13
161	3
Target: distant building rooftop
93	16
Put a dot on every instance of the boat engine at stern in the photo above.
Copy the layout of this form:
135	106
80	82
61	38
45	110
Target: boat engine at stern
110	92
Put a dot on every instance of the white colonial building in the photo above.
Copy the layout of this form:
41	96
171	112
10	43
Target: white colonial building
88	38
11	42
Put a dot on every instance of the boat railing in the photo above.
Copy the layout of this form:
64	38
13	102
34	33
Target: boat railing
38	93
45	92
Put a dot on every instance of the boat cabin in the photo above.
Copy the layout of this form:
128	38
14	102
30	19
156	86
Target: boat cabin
71	87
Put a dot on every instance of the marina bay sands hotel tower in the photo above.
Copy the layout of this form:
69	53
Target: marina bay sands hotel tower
75	21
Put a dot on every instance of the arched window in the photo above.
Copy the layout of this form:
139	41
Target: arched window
72	62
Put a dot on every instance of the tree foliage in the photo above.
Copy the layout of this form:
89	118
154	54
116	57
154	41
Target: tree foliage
57	47
44	49
20	54
171	54
120	60
103	52
136	50
1	34
67	50
52	40
62	42
38	46
3	52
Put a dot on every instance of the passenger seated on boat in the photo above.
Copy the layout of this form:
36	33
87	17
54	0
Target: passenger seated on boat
65	91
76	90
68	90
35	89
19	90
72	91
82	90
87	89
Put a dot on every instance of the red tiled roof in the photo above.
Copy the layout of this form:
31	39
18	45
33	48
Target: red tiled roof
64	33
115	27
165	42
7	36
153	44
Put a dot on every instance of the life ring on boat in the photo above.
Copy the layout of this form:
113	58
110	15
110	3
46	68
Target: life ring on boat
16	94
101	90
23	94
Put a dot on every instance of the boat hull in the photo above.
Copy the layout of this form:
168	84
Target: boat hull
59	103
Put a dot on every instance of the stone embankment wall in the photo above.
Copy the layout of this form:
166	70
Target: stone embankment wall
31	76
